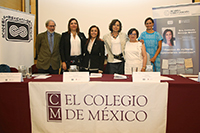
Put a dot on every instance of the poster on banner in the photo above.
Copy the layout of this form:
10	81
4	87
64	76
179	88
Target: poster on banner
16	40
95	107
179	26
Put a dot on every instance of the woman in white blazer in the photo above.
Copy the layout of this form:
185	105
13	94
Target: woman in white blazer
115	43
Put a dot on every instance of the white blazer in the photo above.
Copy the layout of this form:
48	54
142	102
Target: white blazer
107	40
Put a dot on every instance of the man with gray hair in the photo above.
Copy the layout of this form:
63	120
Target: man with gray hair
47	50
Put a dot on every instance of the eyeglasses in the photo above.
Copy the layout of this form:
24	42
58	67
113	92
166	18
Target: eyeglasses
52	26
148	23
133	34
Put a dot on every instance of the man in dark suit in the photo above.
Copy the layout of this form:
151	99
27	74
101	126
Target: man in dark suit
47	49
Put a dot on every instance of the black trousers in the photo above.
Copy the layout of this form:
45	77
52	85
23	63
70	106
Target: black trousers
112	68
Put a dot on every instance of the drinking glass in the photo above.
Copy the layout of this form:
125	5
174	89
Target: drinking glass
29	73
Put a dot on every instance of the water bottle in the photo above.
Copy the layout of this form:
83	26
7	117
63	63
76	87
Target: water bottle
149	68
73	68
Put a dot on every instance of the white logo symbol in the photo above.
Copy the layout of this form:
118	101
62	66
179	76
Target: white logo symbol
15	31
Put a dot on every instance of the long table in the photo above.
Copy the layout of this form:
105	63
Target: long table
183	111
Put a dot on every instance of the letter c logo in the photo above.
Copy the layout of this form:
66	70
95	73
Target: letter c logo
50	99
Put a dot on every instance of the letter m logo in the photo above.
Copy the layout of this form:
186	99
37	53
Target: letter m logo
54	111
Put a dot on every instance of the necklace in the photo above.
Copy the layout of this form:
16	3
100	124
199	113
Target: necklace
114	35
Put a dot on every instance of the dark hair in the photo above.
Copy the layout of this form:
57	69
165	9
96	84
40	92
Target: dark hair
131	31
77	30
164	38
113	23
47	22
89	35
149	18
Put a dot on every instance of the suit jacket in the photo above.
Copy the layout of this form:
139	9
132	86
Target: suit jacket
65	46
96	57
45	57
107	39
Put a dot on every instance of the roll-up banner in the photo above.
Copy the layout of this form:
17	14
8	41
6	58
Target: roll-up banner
16	40
179	26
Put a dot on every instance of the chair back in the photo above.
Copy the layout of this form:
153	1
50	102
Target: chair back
148	59
34	69
4	68
13	69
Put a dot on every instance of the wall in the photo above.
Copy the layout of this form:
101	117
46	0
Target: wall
131	13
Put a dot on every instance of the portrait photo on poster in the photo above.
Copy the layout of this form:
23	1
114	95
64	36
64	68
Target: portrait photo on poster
168	36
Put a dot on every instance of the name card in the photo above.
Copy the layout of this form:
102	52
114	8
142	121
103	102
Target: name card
146	77
76	77
199	77
11	77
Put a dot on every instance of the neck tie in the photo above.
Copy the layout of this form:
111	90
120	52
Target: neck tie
51	43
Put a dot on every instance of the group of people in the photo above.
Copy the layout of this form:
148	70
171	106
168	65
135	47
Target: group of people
125	53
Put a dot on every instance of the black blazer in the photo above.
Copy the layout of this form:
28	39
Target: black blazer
65	46
96	56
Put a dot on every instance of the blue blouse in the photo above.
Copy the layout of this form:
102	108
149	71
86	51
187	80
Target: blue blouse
151	43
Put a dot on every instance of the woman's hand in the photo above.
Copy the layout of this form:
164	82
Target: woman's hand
142	41
153	59
100	71
64	66
143	69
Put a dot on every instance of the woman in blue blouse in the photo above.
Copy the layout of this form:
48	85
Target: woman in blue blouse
153	43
